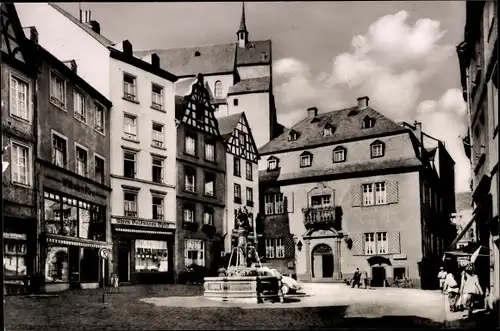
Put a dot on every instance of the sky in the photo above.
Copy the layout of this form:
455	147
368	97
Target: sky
326	54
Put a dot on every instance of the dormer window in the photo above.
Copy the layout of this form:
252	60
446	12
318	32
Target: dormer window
339	154
377	149
263	56
272	163
327	130
367	123
305	159
293	135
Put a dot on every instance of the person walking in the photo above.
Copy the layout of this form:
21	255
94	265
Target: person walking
364	279
356	278
442	277
451	287
470	289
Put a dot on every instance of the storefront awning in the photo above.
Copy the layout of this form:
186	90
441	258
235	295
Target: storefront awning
144	231
63	240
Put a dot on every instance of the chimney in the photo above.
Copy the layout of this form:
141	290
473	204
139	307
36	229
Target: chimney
33	35
85	16
418	132
155	60
96	27
312	112
127	48
72	65
363	102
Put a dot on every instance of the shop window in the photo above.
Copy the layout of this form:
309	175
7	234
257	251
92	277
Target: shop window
194	252
56	267
151	255
399	272
14	258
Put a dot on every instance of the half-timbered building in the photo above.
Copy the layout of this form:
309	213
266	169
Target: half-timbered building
18	81
201	168
242	184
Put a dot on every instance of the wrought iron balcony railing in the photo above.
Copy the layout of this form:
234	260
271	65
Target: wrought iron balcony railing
322	217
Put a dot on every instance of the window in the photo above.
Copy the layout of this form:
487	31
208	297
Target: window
129	164
190	142
237	167
189	179
218	89
305	160
208	216
158	138
249	196
210	185
367	123
158	208
209	150
14	258
188	214
130	126
382	244
157	165
99	118
19	98
293	135
249	170
280	248
367	194
399	272
129	87
272	163
59	151
242	138
275	248
237	193
380	194
274	203
81	161
369	243
130	204
79	106
377	149
151	255
327	130
99	170
20	164
57	90
319	201
339	155
235	102
270	248
194	252
157	97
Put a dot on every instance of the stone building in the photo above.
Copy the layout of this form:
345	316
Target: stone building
349	189
73	154
478	59
19	132
201	170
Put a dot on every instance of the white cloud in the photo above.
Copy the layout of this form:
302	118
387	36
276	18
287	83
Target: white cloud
389	64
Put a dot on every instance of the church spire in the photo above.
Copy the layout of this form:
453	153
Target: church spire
242	31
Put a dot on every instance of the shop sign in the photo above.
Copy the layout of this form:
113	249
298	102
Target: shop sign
400	257
75	186
15	236
145	223
463	260
104	253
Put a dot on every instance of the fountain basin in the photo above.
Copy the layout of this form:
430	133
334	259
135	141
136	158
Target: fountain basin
250	289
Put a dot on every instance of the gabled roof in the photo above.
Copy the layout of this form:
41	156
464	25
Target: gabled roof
100	38
347	128
259	84
463	200
251	54
227	124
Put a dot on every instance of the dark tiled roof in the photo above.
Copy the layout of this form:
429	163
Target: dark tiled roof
463	200
227	124
179	106
253	53
264	175
258	84
431	152
100	38
346	127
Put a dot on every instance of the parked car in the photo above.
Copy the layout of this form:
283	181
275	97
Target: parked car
289	285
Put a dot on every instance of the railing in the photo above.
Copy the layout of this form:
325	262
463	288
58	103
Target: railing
319	217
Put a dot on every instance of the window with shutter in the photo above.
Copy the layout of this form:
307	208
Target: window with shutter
357	243
394	243
392	191
356	195
288	202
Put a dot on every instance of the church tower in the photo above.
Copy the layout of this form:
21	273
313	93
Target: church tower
242	31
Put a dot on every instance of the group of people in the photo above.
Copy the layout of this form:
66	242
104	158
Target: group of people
463	290
359	279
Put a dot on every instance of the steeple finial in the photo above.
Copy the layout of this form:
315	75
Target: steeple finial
242	31
243	25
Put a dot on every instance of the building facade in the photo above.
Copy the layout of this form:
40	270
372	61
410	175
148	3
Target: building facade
242	181
344	190
143	174
238	76
462	219
73	159
478	59
19	107
201	188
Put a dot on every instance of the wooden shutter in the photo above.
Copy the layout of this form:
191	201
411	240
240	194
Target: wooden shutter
289	247
356	195
288	202
358	244
392	191
394	242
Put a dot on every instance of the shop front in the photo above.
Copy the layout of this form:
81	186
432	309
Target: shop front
143	251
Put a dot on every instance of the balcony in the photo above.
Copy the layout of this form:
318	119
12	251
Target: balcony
322	217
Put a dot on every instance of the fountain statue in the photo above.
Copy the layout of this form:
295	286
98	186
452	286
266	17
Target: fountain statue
243	282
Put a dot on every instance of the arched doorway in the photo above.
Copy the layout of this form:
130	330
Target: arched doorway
379	275
322	261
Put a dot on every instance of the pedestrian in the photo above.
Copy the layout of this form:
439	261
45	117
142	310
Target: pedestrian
356	278
451	287
470	289
442	277
364	279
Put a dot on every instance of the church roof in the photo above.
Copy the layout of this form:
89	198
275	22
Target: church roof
347	126
255	52
259	84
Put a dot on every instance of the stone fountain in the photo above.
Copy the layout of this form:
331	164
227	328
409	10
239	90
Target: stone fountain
241	282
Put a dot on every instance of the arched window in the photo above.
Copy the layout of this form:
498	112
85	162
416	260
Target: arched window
218	89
